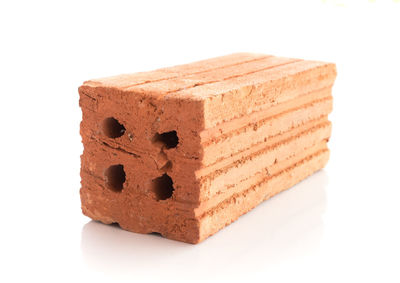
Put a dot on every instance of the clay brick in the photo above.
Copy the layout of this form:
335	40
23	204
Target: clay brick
184	151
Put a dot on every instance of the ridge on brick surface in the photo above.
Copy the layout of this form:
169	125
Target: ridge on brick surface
129	80
184	151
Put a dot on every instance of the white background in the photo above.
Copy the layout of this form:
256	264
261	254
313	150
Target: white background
343	223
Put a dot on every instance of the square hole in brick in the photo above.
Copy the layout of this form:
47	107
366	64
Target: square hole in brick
162	187
167	139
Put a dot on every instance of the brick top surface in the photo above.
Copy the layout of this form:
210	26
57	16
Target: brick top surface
209	78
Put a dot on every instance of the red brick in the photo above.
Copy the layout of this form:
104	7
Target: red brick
186	150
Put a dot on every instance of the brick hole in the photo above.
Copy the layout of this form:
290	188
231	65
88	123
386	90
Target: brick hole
168	139
112	128
115	177
162	187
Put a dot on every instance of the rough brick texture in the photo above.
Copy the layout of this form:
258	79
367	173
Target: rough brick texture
184	151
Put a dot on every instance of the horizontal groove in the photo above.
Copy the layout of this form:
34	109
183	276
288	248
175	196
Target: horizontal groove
230	77
230	199
279	89
266	169
264	130
199	72
271	142
120	149
246	158
302	99
258	123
